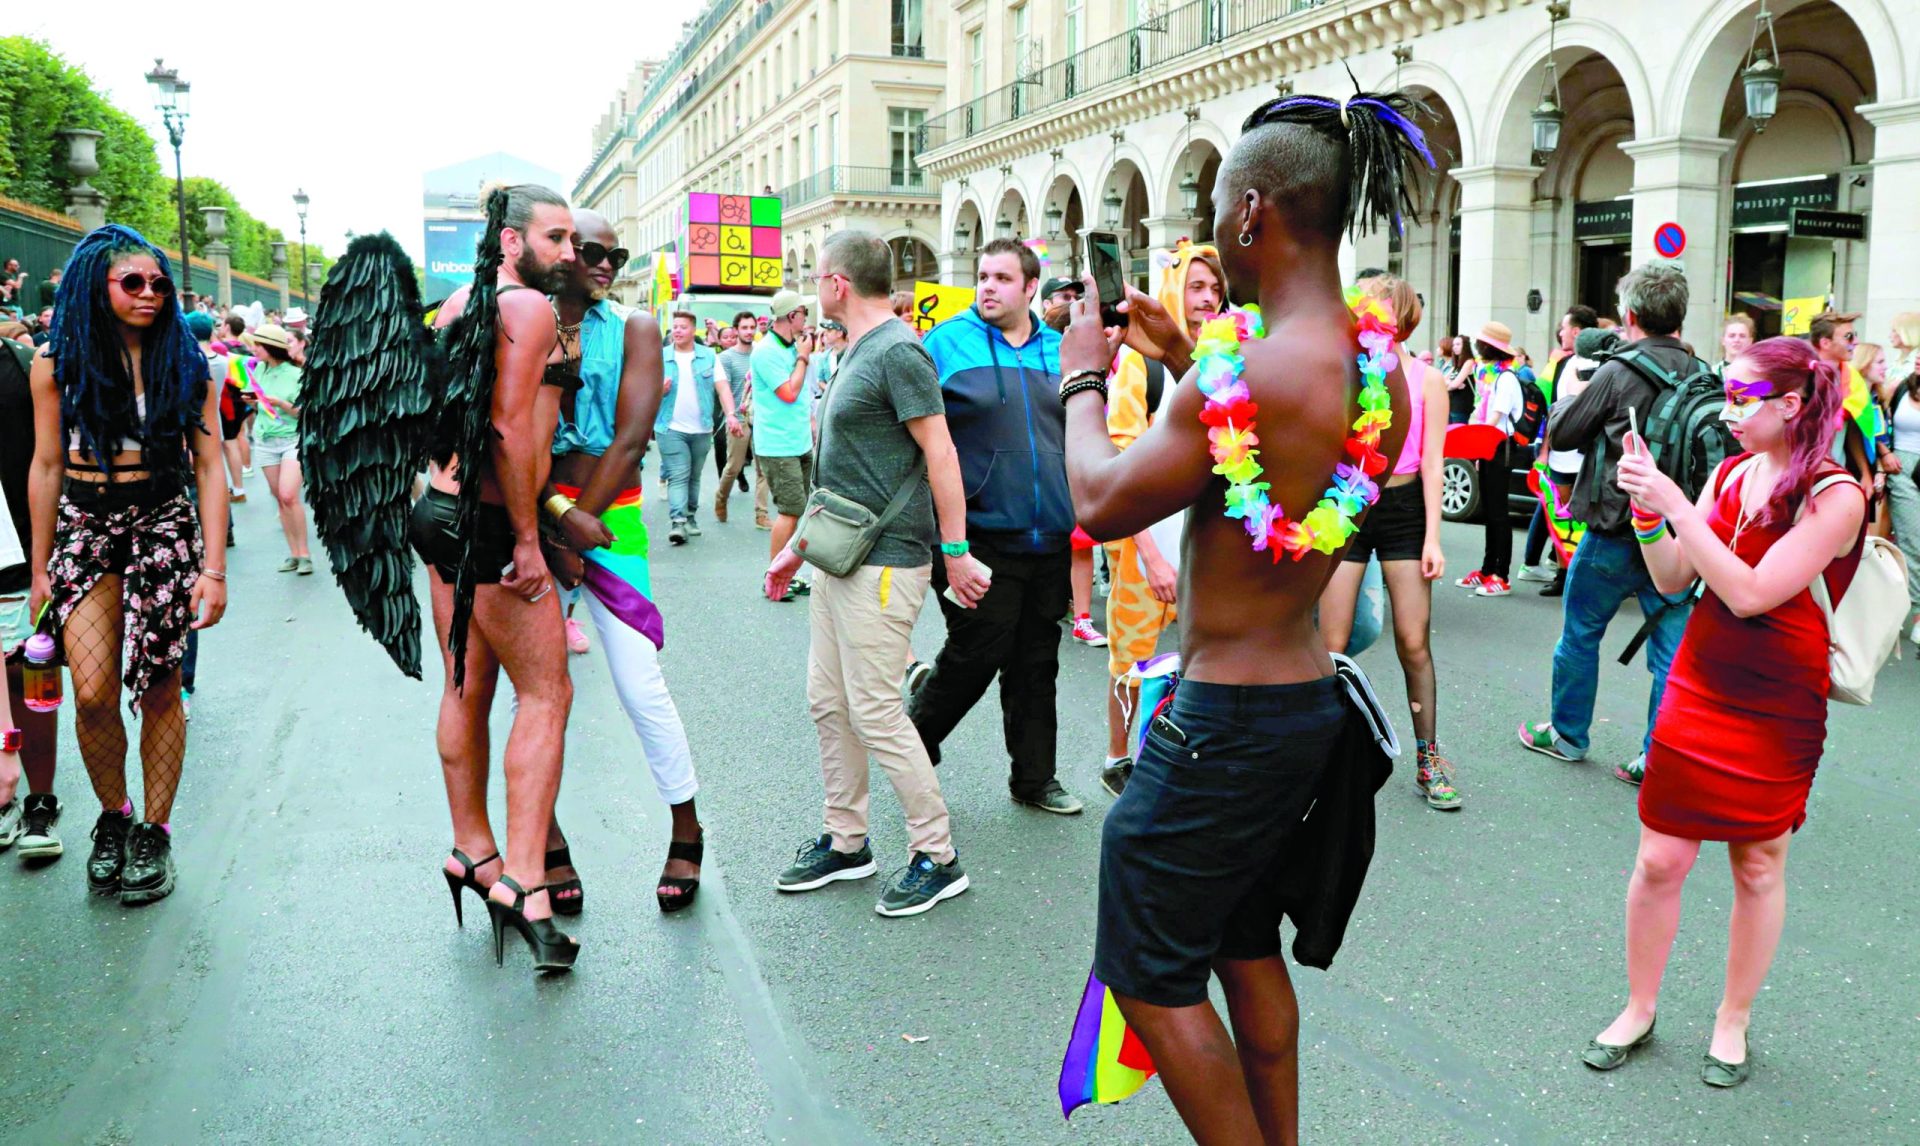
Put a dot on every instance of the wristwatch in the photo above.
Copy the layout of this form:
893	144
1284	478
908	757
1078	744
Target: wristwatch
954	548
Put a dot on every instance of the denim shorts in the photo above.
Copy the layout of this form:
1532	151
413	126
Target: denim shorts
15	625
1396	529
1189	851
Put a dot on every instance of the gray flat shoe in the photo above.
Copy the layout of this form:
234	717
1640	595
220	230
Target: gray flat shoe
1606	1056
1725	1075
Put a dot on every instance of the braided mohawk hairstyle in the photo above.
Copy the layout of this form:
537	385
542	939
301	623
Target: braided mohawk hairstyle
1367	177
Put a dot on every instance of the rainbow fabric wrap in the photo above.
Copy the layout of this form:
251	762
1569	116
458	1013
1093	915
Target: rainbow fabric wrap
618	574
1229	413
1105	1061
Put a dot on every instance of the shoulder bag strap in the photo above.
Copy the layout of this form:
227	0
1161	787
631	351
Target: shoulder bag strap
914	476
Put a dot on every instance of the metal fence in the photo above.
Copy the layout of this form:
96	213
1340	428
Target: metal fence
1182	31
42	240
910	183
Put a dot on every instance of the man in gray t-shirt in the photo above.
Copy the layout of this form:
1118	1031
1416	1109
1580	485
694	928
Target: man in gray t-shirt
882	413
864	451
736	366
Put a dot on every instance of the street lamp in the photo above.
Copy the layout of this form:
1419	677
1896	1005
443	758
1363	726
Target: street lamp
171	94
1111	205
962	238
1003	229
1190	186
1763	73
1548	118
300	204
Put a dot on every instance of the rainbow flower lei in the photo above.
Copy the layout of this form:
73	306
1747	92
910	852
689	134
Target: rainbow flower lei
1229	412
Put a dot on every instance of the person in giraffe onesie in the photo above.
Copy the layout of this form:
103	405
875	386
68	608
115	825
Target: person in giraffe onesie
1143	578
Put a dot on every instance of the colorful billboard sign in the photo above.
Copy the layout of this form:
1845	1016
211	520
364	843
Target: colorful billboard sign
450	246
733	242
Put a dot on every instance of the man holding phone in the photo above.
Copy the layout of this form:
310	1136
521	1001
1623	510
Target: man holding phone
1607	568
999	372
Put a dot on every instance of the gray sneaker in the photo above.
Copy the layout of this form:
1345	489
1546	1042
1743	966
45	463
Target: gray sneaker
12	819
677	533
920	885
693	528
1114	777
39	841
1054	799
816	864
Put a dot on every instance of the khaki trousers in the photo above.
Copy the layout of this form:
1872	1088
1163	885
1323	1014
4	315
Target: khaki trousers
862	628
736	462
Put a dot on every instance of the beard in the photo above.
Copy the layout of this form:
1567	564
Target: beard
547	278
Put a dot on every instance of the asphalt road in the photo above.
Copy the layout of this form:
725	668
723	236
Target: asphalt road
306	984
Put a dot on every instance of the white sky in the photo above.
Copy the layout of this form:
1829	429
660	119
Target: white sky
352	99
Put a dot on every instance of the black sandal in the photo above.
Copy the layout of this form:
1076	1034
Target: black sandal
553	949
466	880
565	904
684	889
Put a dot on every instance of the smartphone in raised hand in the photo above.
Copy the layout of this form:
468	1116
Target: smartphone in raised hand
1638	444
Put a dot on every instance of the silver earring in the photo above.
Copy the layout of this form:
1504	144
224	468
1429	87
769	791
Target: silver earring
1246	238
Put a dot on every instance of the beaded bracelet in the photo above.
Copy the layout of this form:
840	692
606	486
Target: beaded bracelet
1649	531
1084	383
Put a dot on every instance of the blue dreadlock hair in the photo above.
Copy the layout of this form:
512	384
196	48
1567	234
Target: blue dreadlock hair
94	369
1346	165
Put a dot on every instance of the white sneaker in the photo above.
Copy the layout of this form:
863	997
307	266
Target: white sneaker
1914	636
11	815
1540	573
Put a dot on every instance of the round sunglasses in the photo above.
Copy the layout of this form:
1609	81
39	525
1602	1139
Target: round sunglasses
136	284
592	254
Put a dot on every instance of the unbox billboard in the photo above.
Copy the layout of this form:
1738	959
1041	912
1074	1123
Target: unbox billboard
450	246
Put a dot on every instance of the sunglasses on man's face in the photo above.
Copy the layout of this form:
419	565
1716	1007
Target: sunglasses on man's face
136	284
593	254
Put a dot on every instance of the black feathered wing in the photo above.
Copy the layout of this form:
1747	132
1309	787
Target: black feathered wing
369	395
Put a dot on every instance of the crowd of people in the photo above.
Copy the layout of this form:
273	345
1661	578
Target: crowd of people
872	446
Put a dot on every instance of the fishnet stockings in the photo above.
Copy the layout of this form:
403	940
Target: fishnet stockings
92	636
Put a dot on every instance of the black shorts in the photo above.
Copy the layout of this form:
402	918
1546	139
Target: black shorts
432	533
1189	853
1396	529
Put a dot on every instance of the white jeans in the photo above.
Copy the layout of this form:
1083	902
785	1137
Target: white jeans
635	665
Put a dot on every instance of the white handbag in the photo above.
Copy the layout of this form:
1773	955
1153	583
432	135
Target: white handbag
1863	628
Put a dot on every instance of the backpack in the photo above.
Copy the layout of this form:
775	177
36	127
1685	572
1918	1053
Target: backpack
1683	429
1533	412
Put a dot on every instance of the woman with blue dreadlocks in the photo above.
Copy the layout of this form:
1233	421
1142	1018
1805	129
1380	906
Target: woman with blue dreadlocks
122	411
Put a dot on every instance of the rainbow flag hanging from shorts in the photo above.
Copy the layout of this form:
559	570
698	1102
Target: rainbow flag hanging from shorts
1105	1060
619	574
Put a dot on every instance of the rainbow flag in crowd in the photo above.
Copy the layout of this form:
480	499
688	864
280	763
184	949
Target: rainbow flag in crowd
618	574
1039	248
1105	1061
240	370
1862	409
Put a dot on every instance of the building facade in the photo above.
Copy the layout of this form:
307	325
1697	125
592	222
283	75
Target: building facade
1070	114
820	102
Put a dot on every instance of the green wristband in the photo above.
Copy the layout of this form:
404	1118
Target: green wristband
954	548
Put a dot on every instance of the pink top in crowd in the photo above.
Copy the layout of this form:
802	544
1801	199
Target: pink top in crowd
1416	372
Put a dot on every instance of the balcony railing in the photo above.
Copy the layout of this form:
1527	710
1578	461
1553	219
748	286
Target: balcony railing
911	183
910	51
1190	28
697	83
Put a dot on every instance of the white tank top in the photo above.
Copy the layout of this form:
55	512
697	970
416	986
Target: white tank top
126	444
1906	426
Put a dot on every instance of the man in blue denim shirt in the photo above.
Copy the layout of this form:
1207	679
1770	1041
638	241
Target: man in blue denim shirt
684	426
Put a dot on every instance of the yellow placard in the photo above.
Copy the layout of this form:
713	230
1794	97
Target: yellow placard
1797	314
934	303
736	241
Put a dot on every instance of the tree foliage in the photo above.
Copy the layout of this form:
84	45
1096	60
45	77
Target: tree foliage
40	93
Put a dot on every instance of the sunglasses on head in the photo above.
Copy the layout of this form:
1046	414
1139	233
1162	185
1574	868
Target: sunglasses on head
594	254
135	284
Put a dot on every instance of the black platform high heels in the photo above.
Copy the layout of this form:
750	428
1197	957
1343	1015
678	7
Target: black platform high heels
553	949
466	880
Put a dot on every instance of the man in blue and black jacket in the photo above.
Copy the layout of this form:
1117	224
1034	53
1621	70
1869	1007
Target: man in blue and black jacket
1000	373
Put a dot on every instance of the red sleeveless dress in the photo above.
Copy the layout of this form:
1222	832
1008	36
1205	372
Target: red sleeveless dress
1744	716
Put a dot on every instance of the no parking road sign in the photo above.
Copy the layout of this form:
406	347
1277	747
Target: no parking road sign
1669	240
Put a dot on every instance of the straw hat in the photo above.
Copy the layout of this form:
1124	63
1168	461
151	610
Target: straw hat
274	336
1497	335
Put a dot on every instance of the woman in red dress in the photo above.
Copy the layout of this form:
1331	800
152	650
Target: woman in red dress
1741	723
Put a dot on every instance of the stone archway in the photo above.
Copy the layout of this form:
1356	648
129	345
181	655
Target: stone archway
1063	201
